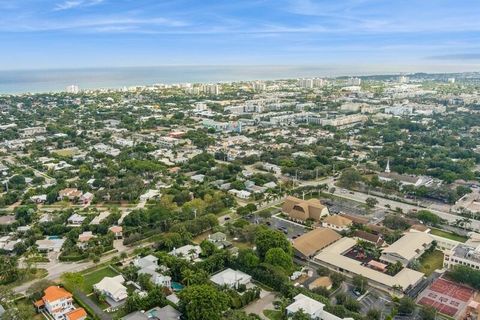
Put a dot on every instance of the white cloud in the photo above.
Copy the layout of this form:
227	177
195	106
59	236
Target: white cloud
72	4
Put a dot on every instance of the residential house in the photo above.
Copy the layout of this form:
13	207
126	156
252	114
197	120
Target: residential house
149	265
58	303
71	194
83	239
166	313
113	289
117	231
187	252
311	307
219	239
42	198
75	220
242	194
50	244
231	278
86	198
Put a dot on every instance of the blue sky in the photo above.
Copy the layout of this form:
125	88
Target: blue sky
104	33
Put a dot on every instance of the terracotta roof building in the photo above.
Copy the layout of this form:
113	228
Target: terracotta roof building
58	302
302	210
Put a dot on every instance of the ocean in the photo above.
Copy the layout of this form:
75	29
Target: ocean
38	81
41	81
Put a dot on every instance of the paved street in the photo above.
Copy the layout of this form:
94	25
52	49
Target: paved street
358	196
56	269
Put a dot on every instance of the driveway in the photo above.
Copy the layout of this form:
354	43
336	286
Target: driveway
265	302
98	311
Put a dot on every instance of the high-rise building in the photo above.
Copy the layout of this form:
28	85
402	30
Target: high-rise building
259	86
319	82
403	79
305	83
211	89
451	80
354	81
72	89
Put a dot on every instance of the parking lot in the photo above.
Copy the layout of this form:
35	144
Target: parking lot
290	229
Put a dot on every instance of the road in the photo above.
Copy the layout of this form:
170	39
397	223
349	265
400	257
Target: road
56	269
382	202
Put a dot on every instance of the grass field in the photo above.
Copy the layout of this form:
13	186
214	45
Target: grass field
431	262
272	314
448	235
65	152
94	277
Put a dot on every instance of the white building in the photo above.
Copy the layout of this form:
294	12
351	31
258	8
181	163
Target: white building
213	89
149	265
312	308
467	254
231	278
72	89
409	247
112	288
187	252
354	81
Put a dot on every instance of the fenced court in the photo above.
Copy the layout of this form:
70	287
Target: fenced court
447	297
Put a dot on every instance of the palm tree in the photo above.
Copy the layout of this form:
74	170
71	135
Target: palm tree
192	253
187	275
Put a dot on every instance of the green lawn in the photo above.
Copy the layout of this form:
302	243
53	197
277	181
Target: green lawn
448	235
431	262
65	152
94	277
273	314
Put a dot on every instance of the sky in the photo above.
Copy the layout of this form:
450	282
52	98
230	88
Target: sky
45	34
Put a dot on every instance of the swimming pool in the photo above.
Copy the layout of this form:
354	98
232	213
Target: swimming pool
177	286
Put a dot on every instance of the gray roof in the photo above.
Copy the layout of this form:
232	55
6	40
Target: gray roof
137	315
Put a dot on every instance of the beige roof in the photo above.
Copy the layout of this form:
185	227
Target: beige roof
315	240
304	209
333	256
338	220
407	246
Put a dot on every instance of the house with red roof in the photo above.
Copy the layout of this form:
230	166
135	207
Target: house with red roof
58	303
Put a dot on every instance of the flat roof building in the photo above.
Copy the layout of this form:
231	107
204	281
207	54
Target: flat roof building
409	247
333	258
